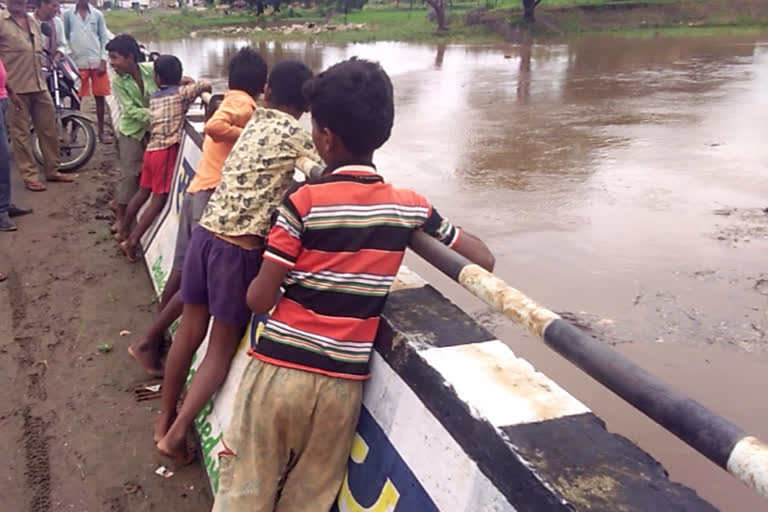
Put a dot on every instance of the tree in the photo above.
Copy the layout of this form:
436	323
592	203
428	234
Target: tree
259	4
528	8
438	14
342	5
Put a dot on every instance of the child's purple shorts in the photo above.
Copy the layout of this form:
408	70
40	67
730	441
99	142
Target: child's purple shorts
217	273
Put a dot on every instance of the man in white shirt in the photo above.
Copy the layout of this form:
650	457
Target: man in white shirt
86	32
45	13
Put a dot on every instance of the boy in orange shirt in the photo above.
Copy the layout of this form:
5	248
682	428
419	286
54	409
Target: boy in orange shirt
247	77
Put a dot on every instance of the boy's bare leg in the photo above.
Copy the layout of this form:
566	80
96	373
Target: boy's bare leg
208	379
119	216
146	351
194	325
156	204
170	290
133	207
100	120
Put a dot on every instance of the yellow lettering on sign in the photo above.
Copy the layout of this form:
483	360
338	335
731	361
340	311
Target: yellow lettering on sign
388	497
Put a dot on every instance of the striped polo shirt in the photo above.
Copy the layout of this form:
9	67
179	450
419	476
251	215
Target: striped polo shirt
343	240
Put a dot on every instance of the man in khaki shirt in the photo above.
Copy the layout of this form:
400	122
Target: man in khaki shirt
21	44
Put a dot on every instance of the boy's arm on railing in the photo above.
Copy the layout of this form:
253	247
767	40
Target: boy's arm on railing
475	250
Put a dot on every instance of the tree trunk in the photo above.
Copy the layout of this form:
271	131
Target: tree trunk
528	8
441	23
439	7
440	56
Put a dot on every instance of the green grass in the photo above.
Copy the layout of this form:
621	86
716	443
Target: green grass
175	24
409	25
694	31
387	22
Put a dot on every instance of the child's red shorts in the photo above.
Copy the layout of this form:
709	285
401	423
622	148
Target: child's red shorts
157	169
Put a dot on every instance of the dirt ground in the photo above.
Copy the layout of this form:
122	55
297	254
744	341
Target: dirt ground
75	438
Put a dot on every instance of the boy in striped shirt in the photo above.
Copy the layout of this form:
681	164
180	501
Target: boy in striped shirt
335	247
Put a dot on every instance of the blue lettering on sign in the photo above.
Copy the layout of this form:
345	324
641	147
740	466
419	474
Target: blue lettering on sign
378	480
257	324
183	181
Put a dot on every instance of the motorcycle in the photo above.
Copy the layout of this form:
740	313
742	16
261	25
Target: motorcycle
77	137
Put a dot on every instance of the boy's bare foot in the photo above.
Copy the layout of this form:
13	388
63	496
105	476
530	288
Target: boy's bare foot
115	227
150	362
112	205
176	449
128	250
163	425
62	178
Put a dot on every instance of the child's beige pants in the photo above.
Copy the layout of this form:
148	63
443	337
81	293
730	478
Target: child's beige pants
290	437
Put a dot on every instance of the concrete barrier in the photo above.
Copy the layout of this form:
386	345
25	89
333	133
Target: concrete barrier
452	420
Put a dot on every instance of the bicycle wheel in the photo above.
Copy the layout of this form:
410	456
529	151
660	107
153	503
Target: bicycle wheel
77	142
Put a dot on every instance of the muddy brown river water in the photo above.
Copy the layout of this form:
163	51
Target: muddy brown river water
621	181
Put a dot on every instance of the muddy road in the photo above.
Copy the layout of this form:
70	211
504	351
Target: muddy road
74	436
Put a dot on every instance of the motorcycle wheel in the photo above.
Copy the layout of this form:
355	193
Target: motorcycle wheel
77	142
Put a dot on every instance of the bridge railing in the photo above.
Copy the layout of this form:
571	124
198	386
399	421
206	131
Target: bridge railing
722	442
743	456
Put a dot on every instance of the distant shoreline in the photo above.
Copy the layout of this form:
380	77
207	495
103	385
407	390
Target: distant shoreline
467	22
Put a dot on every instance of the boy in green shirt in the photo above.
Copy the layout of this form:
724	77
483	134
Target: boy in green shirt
132	86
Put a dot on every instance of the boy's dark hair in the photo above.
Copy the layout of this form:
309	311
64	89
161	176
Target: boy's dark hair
168	68
248	71
39	3
286	84
125	45
353	99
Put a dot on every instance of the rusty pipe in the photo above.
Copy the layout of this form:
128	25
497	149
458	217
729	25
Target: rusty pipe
743	456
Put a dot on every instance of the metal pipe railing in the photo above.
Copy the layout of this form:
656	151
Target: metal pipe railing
745	457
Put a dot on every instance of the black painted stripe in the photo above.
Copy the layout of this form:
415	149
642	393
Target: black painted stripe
708	433
563	452
423	312
584	462
494	456
196	136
